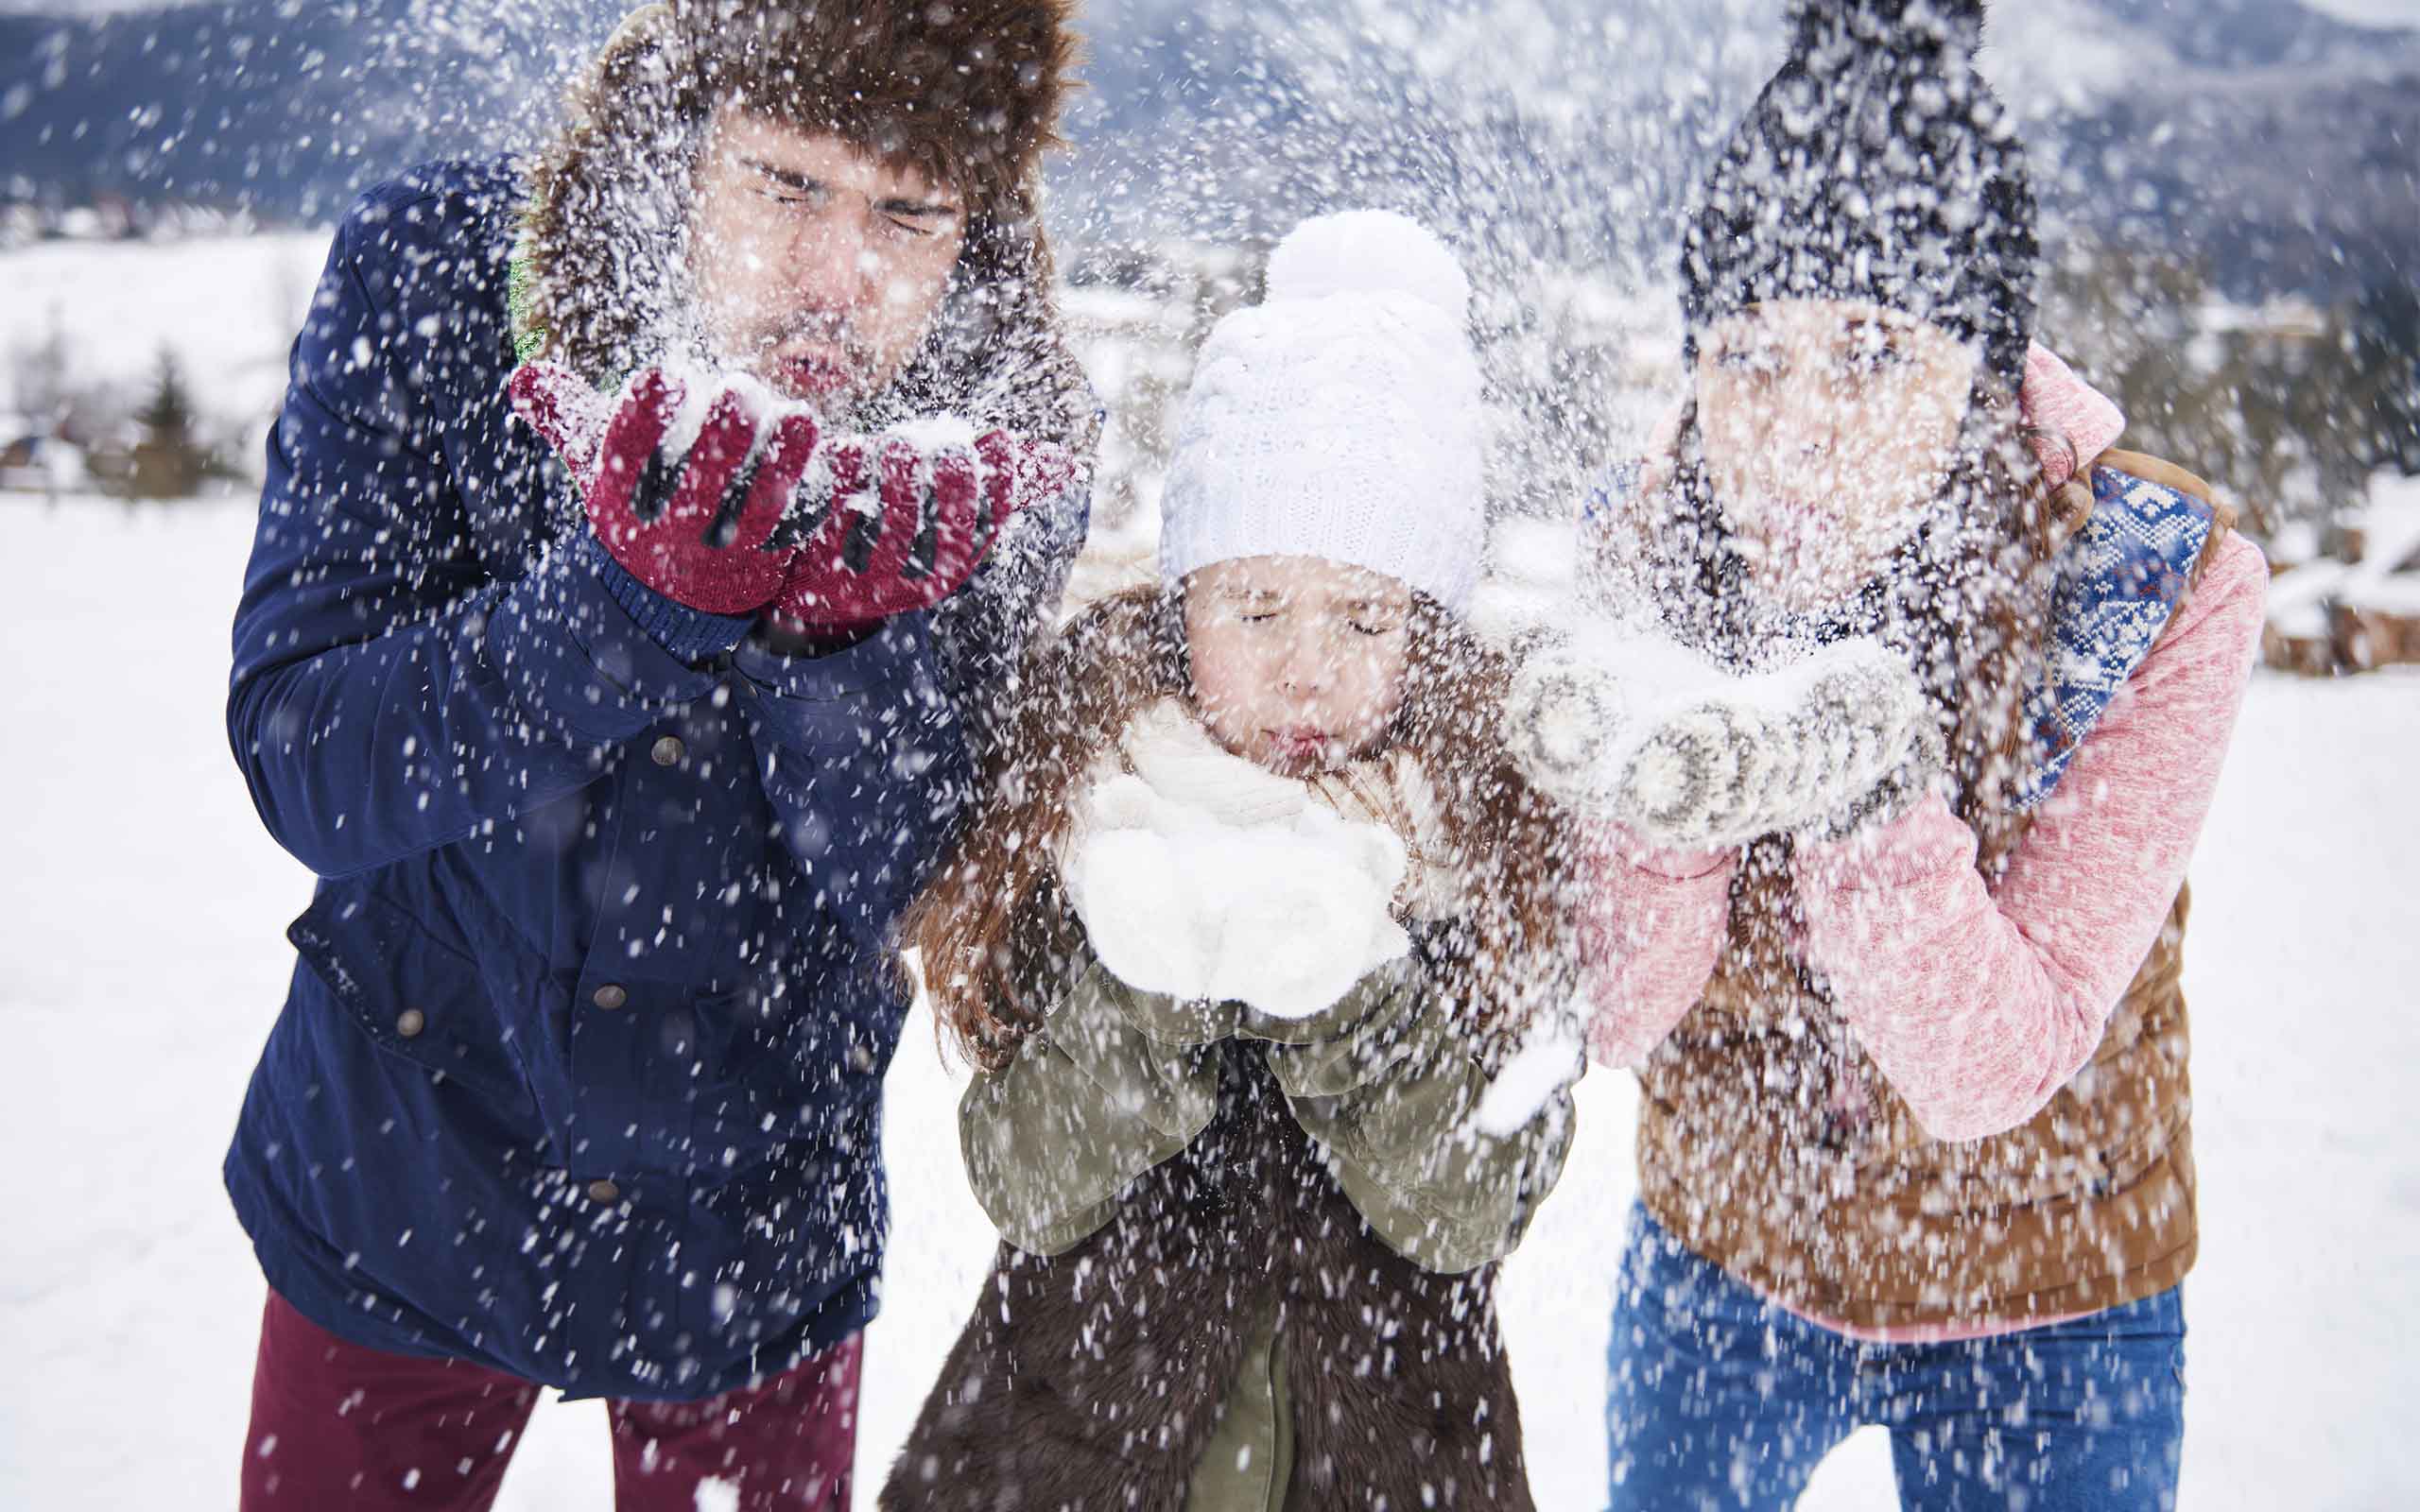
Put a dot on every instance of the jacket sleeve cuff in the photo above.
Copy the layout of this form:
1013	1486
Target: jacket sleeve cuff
812	701
573	657
1665	863
688	634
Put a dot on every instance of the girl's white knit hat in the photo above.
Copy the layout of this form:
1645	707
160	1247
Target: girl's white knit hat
1340	418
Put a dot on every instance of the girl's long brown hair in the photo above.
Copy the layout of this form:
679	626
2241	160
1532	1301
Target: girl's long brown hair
1967	603
997	939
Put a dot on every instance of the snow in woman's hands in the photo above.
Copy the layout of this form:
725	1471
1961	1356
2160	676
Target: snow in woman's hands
1285	916
1138	906
1642	731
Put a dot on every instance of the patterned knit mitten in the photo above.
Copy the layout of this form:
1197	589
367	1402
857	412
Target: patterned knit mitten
1706	776
1925	756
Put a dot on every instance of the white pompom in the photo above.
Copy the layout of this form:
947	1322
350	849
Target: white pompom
1367	252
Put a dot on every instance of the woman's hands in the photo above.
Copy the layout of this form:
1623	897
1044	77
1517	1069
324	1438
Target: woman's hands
1684	755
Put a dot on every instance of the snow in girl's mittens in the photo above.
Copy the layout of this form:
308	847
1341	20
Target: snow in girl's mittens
1304	910
1340	419
1200	874
1135	890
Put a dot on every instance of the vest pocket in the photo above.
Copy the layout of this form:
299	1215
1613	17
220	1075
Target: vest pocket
415	997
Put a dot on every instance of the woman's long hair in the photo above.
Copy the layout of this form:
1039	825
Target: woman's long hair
1966	602
994	930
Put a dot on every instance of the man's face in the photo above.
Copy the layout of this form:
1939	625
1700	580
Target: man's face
819	269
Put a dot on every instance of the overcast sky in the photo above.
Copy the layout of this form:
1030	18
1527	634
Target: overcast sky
2404	11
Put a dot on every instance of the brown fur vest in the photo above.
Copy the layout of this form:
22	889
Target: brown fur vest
1096	1378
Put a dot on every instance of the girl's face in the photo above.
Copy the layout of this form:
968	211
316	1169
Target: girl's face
1828	427
1298	662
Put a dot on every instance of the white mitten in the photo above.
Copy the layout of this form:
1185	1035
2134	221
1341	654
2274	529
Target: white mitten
1137	899
1562	716
1311	914
1575	712
1704	775
1860	713
1140	902
1796	747
1924	755
1648	734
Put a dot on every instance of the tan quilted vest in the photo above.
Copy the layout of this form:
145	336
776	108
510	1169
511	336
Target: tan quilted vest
1771	1145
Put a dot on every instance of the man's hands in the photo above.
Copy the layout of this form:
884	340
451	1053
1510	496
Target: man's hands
697	527
892	523
763	511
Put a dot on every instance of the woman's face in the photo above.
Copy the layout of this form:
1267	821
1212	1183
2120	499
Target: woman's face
1828	428
1298	662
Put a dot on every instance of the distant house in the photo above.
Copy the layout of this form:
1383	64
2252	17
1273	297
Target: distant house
2358	609
35	460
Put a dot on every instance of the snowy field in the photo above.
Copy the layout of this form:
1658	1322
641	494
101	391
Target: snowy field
226	307
140	961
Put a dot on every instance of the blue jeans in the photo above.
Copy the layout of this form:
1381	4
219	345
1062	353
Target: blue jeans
1722	1400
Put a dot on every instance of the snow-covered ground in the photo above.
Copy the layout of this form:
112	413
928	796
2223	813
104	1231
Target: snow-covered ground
141	960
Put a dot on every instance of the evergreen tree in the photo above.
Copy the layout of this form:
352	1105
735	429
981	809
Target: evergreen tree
169	461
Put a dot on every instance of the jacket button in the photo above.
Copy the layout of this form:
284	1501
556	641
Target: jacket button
602	1192
861	1059
668	751
409	1022
612	995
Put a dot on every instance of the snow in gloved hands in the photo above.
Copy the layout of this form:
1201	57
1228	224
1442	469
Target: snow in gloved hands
1636	730
765	407
1207	878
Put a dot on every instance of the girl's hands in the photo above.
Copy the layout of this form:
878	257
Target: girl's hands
1284	917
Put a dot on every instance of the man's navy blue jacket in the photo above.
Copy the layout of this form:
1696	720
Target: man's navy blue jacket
580	1073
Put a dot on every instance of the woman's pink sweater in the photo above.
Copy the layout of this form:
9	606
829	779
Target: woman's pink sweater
1976	1007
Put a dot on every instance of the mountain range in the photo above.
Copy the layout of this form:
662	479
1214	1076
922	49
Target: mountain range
2275	144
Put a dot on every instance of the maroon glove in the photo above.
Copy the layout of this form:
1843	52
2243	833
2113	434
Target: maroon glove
886	526
698	529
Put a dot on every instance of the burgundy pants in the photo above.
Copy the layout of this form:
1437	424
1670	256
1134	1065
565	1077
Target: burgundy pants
339	1426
